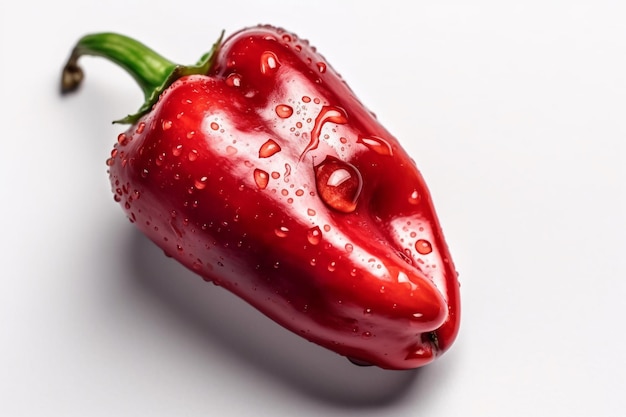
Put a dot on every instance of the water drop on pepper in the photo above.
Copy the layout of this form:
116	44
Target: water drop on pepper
338	184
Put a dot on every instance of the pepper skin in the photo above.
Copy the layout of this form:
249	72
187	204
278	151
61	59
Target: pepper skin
262	172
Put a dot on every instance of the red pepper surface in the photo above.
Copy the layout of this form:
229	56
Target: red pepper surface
260	170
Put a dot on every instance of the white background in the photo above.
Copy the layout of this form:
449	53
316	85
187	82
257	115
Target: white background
514	111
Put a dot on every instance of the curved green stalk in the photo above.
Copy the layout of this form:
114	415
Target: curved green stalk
152	72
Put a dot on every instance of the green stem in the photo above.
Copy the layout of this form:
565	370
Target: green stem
152	72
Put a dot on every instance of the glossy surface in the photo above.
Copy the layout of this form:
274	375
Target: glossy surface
269	178
514	115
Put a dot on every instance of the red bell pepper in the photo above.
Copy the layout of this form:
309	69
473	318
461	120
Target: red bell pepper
260	170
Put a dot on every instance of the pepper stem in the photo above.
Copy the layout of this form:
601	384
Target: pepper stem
152	72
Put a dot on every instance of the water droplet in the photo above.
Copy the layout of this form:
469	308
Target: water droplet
275	175
200	183
367	312
231	150
284	111
414	198
140	128
261	178
306	99
269	62
177	150
233	80
405	256
310	212
299	192
281	231
321	67
193	155
287	172
366	335
376	144
268	149
122	139
190	134
349	247
338	184
327	114
166	124
214	126
314	235
423	247
332	266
